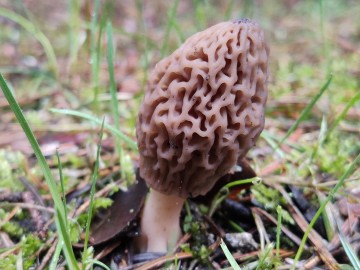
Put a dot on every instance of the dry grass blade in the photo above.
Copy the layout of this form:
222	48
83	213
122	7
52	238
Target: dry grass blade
253	254
286	231
264	238
314	237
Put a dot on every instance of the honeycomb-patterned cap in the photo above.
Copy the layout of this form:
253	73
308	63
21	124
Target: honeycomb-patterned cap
203	108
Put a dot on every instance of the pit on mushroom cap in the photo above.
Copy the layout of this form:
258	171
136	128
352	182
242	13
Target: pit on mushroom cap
203	109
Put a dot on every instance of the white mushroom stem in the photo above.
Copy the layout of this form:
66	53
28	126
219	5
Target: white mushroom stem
160	228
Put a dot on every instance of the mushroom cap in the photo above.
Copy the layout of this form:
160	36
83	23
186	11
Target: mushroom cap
203	108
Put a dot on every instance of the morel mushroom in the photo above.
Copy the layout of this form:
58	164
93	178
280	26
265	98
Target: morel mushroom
202	111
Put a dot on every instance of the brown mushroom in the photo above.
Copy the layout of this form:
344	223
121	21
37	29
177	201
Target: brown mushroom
202	111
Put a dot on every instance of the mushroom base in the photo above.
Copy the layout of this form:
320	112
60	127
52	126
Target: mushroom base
160	228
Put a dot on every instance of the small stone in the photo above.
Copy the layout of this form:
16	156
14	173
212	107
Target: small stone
243	241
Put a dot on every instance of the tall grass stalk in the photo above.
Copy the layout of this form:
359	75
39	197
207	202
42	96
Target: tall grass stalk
74	32
178	30
229	9
64	237
143	29
201	7
348	172
62	184
278	230
60	243
325	42
92	194
321	138
114	100
127	140
342	115
169	25
307	109
248	8
95	51
60	217
56	255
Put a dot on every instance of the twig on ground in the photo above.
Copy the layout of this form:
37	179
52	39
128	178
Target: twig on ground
49	255
28	206
5	239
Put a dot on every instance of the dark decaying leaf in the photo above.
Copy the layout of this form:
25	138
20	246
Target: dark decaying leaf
117	219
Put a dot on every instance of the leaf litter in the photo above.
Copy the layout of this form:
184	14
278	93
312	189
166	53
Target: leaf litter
289	176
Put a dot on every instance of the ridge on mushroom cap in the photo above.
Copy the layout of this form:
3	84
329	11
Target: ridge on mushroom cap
203	108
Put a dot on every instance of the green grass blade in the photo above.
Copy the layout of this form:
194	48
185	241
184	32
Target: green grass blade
248	9
235	183
348	172
114	100
34	144
236	226
328	217
325	42
60	214
353	258
307	109
264	256
171	19
92	193
110	57
271	140
30	27
62	184
224	191
145	41
95	51
55	258
67	248
179	32
200	13
229	9
341	116
74	31
96	262
129	142
278	230
229	256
